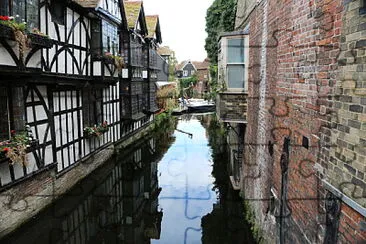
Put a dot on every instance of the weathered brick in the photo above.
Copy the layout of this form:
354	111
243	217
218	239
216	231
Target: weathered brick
356	108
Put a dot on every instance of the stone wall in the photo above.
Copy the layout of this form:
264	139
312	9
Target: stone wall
345	160
232	107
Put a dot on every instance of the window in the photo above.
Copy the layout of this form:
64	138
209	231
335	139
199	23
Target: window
12	111
192	72
4	7
4	115
235	53
26	10
110	39
58	11
185	72
363	7
236	67
92	106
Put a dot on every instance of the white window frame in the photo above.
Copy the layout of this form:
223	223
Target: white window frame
185	73
245	63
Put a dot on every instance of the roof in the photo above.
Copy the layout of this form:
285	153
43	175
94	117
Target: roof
165	51
181	65
132	9
151	22
87	3
160	84
198	65
153	27
201	65
234	33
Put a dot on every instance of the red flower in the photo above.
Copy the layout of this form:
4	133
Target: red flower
12	132
4	18
6	149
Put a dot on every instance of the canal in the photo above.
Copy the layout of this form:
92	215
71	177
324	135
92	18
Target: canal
171	187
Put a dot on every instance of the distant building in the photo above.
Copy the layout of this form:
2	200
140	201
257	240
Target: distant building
189	68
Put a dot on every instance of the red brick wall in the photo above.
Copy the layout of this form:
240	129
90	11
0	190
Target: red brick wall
301	65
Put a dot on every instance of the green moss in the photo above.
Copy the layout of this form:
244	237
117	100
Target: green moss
254	226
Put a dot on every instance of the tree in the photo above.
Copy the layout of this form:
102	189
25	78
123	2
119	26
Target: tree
220	17
172	64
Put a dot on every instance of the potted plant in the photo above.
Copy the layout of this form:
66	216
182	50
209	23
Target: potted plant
37	38
96	130
5	30
18	146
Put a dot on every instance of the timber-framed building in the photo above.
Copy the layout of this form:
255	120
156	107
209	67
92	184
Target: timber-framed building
79	76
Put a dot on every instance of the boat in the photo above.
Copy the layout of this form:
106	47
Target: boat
200	105
180	110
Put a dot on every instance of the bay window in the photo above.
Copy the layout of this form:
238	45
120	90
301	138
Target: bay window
110	41
104	38
236	63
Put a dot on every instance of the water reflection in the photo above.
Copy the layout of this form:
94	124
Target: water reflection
187	184
171	187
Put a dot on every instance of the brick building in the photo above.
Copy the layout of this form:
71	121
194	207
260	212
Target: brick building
304	149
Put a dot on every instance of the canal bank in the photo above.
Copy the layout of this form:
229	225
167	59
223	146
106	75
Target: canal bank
167	185
24	201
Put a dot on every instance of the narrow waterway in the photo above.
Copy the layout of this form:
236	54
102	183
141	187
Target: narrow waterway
171	187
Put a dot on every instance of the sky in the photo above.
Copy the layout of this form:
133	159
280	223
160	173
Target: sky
182	25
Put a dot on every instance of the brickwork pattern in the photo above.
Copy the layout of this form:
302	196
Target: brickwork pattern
314	97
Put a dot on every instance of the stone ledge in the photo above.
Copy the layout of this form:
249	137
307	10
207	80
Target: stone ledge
357	207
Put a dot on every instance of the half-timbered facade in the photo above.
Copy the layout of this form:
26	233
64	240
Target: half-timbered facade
153	40
73	75
132	86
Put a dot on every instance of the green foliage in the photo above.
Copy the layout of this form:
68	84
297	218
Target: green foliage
255	228
186	85
172	63
96	130
220	17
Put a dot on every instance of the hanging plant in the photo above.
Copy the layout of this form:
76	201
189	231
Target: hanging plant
117	60
96	130
16	148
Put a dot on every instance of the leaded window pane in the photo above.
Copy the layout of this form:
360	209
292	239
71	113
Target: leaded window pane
110	38
4	7
32	14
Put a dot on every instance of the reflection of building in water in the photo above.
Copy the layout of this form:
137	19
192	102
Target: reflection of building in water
117	204
142	220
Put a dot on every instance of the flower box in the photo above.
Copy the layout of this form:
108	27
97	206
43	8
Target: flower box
6	32
39	40
96	131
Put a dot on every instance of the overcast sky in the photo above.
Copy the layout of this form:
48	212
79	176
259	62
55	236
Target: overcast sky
182	25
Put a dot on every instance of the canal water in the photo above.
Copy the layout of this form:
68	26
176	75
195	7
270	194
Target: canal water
171	187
